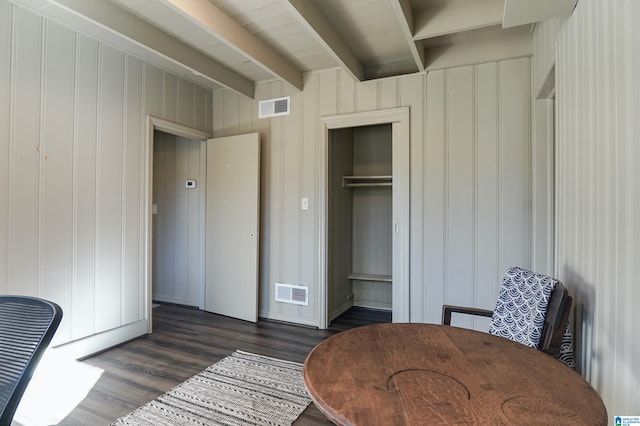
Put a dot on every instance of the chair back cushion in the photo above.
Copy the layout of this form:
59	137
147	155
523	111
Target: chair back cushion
522	305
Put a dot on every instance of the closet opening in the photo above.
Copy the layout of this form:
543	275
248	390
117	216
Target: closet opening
364	223
360	223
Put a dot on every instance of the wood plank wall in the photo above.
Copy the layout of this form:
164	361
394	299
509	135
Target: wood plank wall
72	132
71	184
470	169
597	153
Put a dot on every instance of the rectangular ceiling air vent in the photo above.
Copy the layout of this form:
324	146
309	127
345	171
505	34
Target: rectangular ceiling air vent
274	107
291	293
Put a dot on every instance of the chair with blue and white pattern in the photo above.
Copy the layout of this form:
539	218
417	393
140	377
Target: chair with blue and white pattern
532	309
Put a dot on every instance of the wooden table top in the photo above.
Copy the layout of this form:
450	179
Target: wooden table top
418	374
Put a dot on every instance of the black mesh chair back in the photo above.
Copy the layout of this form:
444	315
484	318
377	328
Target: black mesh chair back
27	325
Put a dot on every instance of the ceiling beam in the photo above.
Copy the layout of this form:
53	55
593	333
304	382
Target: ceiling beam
216	22
314	21
108	16
519	12
496	47
404	15
456	16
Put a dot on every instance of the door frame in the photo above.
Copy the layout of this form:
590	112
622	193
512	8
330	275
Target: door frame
155	123
399	119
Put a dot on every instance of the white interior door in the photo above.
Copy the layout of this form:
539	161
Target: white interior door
232	221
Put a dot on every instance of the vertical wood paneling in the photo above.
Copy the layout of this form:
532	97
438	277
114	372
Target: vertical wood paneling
632	152
327	92
115	91
367	96
246	110
487	221
208	112
328	100
388	93
185	107
597	232
218	116
309	185
231	114
72	124
133	199
110	191
24	169
169	97
633	60
6	20
199	108
460	185
85	184
346	94
457	161
57	180
153	90
275	180
291	192
435	196
515	163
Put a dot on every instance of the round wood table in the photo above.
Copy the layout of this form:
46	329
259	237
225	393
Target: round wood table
420	374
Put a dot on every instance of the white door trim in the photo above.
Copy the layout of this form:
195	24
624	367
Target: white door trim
399	119
155	123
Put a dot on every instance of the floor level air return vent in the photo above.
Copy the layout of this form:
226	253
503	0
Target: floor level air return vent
291	293
274	107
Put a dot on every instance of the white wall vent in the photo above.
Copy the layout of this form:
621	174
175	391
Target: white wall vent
274	107
291	293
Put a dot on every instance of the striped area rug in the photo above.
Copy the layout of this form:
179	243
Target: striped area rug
241	389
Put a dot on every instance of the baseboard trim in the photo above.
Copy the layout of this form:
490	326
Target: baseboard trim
372	305
287	319
91	345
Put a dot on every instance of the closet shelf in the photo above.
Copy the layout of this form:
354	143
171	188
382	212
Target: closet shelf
362	181
369	277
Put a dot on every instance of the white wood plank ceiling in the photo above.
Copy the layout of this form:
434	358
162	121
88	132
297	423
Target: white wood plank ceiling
236	43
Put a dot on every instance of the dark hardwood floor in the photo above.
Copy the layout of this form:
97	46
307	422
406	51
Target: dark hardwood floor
184	342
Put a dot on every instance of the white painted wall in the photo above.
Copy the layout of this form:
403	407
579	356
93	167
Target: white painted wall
177	239
597	239
72	130
470	174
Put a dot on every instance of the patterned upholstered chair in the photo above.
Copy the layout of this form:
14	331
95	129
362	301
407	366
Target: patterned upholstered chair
532	309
